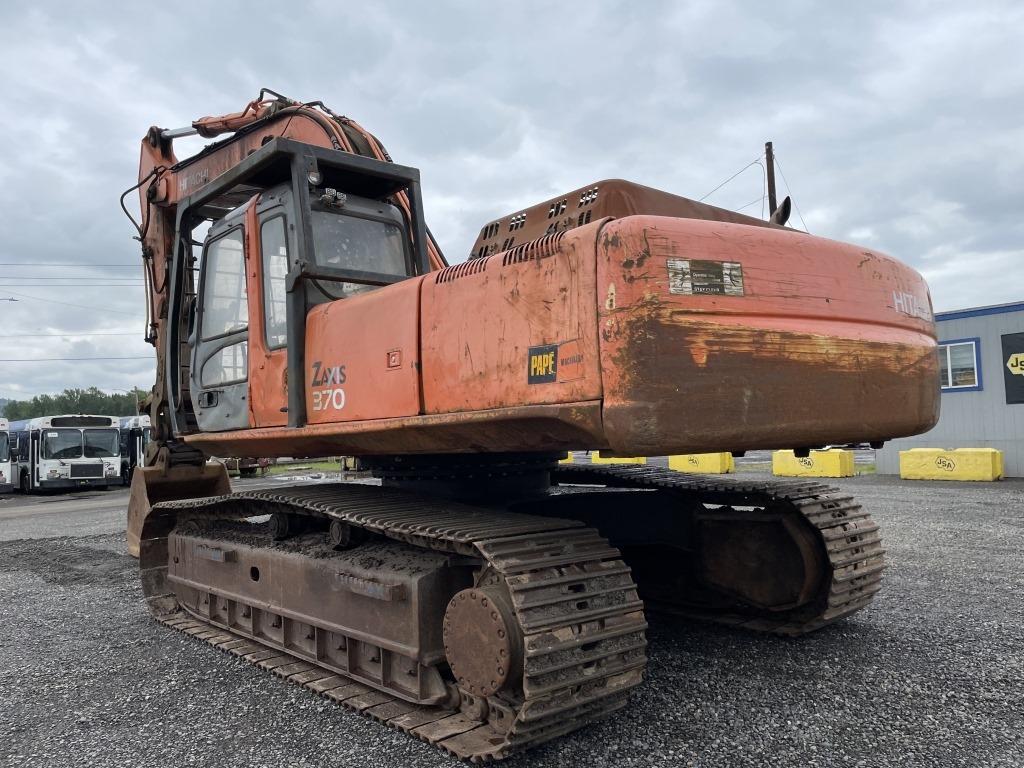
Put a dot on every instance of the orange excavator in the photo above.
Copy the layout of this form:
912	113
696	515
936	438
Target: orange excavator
482	596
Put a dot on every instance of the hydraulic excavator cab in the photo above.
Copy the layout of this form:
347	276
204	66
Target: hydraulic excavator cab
291	228
238	359
326	231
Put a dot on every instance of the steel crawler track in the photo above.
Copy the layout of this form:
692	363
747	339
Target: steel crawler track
583	651
846	532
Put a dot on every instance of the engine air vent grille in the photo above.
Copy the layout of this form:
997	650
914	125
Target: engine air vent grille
557	209
541	248
465	269
485	250
588	197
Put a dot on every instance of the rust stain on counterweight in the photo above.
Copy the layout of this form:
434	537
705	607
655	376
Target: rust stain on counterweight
677	374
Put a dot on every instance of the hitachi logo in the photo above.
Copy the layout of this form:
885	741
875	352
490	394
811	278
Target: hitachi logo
909	304
192	181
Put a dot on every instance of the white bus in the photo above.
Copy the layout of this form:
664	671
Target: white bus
135	434
67	451
6	483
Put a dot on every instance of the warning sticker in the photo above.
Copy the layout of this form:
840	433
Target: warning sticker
696	277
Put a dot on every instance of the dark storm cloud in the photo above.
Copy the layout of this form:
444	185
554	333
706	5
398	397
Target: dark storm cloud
898	126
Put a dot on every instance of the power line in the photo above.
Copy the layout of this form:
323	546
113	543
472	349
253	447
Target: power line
758	199
69	359
764	185
741	170
65	277
70	333
70	285
69	304
85	265
791	197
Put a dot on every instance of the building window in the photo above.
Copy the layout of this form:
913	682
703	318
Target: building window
960	365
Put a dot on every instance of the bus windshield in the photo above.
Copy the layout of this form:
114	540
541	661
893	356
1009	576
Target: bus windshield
5	447
62	444
102	443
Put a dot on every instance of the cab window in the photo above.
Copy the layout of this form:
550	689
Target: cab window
344	241
225	306
275	269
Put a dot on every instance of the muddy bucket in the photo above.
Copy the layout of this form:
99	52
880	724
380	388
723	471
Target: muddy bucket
151	485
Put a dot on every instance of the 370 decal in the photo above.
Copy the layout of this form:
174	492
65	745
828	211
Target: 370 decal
330	396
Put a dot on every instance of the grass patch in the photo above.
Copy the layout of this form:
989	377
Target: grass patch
304	467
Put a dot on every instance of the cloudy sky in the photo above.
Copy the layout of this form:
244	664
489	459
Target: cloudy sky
897	125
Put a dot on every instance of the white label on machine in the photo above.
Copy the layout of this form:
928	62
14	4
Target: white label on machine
694	277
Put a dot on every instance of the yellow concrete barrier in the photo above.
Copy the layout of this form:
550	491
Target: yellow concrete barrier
568	459
703	463
959	464
832	463
597	458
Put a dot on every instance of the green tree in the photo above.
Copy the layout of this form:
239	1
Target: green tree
91	400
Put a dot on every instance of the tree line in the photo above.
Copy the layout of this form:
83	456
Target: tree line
90	400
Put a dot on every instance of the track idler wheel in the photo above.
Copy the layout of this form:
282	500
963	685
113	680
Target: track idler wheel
483	641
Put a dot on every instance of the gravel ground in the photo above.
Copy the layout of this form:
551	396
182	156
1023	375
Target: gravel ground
931	675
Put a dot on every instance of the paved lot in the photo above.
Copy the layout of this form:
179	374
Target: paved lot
931	675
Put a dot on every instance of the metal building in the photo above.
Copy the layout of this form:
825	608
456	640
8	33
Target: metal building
981	356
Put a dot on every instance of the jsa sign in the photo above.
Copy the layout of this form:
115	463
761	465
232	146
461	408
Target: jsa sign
1013	372
1016	363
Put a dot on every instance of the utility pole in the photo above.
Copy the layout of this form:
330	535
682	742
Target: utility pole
769	156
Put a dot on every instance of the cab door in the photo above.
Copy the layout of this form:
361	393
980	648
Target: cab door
219	338
274	235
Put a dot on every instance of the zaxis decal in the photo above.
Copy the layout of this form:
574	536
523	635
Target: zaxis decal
330	378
